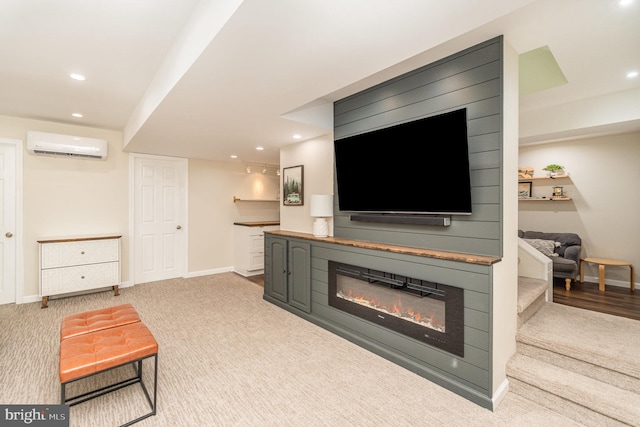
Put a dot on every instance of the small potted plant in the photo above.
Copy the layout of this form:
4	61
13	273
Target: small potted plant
554	170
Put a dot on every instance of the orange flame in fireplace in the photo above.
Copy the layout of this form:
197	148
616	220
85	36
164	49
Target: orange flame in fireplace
396	309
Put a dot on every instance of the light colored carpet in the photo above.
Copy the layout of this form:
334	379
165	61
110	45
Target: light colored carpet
228	358
529	290
596	338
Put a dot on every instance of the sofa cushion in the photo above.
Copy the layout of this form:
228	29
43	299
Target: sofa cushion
546	247
564	265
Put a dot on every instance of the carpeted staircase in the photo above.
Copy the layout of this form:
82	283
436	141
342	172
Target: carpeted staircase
582	364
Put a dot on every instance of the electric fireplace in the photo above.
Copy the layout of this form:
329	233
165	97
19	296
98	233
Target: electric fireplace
429	312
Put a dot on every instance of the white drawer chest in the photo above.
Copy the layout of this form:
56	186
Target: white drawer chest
76	264
248	259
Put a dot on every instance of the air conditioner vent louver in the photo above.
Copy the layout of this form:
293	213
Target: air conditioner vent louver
51	144
53	153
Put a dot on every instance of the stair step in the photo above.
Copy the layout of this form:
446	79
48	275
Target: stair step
584	399
596	372
531	296
529	290
563	333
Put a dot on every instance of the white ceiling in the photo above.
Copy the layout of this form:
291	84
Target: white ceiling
211	78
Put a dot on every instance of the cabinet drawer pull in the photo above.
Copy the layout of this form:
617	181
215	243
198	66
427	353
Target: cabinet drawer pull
82	277
82	253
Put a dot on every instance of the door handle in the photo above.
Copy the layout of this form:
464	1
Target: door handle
9	234
178	227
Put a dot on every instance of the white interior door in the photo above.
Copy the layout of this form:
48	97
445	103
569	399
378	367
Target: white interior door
7	223
159	218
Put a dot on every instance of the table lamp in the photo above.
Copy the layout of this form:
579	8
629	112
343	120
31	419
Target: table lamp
321	207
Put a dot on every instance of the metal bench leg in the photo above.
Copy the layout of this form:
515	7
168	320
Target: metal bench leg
117	386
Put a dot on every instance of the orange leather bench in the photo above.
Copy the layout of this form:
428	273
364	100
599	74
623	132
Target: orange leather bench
95	320
90	353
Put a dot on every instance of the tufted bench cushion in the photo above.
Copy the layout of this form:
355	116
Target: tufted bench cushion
96	320
97	351
96	341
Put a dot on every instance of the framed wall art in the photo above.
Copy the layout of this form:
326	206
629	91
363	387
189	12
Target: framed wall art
293	186
524	190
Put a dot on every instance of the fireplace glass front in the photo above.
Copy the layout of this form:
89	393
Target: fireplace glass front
429	312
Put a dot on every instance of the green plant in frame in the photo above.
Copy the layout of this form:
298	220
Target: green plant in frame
553	167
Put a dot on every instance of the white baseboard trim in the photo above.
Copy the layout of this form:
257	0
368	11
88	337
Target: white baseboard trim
619	283
37	298
500	393
208	272
30	298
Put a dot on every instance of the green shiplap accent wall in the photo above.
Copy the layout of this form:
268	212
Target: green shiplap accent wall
472	79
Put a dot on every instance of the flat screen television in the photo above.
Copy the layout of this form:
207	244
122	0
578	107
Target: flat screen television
418	167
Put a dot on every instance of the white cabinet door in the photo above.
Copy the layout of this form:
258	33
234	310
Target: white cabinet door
256	252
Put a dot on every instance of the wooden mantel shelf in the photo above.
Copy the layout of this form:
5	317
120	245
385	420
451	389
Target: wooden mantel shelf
406	250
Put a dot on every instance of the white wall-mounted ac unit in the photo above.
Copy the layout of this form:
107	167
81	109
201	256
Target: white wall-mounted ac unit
66	145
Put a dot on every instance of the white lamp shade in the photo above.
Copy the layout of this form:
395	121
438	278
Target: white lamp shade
321	205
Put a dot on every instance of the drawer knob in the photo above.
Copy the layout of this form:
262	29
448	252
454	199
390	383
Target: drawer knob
9	235
82	277
82	253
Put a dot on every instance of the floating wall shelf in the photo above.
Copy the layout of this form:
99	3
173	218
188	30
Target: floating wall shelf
238	199
544	199
536	178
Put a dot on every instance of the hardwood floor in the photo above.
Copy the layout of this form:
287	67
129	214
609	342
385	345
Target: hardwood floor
258	280
614	300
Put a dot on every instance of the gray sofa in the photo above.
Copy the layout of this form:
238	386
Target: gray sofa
567	261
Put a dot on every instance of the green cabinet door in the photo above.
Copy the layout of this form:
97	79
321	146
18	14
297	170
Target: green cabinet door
299	271
276	269
288	272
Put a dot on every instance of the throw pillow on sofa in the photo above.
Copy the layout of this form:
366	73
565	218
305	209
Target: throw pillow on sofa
546	247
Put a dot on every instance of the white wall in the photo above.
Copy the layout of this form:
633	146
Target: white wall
63	197
605	205
316	156
212	211
69	196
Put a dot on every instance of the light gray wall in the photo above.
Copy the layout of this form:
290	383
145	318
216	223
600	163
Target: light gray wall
603	185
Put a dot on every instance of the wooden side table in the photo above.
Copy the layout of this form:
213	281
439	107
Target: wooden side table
602	262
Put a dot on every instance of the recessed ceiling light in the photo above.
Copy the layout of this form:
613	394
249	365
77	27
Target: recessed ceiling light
77	115
297	136
259	148
75	76
625	2
632	74
233	156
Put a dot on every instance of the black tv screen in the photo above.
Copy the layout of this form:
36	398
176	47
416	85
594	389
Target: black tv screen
418	167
